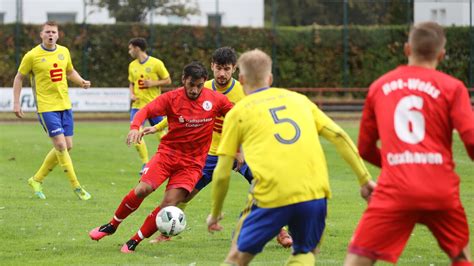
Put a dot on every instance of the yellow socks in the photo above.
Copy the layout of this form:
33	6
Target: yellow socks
50	161
142	151
301	260
66	163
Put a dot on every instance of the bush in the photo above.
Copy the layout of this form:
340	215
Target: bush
303	57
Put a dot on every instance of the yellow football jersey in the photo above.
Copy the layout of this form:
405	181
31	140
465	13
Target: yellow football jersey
234	92
48	69
151	69
278	130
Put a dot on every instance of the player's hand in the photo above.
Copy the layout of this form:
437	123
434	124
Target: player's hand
147	83
17	110
134	137
85	84
149	130
213	223
367	189
239	158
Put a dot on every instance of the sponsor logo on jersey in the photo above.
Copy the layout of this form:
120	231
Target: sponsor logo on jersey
181	119
207	105
56	74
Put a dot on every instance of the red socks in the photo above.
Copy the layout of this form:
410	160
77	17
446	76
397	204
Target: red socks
149	226
128	205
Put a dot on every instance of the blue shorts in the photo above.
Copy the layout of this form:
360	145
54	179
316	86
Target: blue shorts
305	220
208	170
57	122
153	121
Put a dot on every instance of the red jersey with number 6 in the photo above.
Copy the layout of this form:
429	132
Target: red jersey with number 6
413	111
190	122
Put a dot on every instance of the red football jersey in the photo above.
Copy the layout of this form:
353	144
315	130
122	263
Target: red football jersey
413	111
190	122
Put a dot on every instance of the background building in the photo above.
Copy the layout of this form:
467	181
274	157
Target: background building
444	12
243	13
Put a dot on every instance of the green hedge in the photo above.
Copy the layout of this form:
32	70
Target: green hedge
305	57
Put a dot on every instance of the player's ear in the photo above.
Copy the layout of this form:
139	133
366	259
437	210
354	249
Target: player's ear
407	49
241	79
183	80
441	55
270	79
234	68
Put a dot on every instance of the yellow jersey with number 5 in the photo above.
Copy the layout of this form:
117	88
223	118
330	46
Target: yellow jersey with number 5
234	92
278	130
48	69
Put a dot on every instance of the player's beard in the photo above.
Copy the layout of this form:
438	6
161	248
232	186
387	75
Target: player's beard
193	96
222	82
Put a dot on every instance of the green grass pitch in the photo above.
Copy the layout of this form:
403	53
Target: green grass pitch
55	230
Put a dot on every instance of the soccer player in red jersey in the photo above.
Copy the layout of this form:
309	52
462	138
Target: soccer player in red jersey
413	110
181	154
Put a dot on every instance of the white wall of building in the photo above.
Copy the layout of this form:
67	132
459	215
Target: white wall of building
242	13
444	12
36	11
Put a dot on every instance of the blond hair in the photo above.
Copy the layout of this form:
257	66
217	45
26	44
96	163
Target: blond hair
255	66
427	40
50	23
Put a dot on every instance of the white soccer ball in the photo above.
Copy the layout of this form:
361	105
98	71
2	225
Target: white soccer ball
171	221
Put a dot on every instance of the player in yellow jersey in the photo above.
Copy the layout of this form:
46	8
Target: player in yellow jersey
279	131
49	65
146	75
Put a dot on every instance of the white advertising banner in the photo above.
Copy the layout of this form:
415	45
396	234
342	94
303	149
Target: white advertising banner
90	100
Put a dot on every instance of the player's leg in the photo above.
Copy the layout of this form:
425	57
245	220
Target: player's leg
154	175
206	178
35	182
140	147
207	171
186	177
306	223
451	230
49	162
382	234
256	227
63	143
171	198
284	239
78	189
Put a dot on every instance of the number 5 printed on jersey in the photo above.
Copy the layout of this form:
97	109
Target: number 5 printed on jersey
278	120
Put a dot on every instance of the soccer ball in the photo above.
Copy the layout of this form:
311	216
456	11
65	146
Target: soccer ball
171	221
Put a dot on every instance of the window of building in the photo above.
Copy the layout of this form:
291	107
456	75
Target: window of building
214	20
63	17
434	15
175	20
442	16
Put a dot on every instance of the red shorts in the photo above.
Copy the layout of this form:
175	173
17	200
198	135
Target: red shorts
383	233
181	172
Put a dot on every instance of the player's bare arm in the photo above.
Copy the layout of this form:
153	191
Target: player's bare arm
133	137
77	79
132	95
239	158
220	186
17	86
156	83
